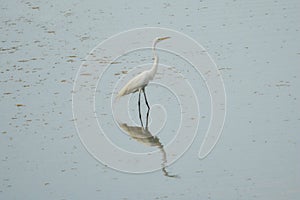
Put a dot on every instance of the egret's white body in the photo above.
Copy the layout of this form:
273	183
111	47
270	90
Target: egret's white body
140	81
137	83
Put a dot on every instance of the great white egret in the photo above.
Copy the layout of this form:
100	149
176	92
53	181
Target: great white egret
139	82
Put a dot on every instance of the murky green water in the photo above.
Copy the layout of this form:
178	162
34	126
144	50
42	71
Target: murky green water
256	47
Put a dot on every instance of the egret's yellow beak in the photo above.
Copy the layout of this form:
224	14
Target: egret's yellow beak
163	38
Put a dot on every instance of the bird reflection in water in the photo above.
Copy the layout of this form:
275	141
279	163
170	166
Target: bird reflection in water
143	135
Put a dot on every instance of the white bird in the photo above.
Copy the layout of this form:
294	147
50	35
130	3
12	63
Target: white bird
139	82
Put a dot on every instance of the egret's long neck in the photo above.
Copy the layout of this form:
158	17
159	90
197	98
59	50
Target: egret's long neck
155	63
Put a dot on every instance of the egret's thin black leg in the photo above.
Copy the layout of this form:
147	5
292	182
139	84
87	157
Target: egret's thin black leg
139	105
147	118
146	99
147	106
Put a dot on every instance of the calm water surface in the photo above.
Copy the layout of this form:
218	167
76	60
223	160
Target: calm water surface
256	47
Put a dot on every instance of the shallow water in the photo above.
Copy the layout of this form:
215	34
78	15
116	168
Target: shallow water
255	45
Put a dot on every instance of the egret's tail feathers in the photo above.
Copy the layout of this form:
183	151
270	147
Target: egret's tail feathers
117	98
122	92
119	95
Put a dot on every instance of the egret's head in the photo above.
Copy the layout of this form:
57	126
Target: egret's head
159	39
